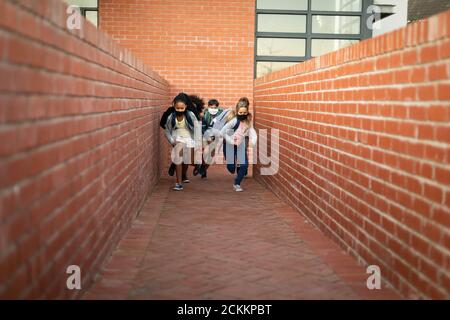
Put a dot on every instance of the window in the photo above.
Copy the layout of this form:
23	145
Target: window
336	24
281	47
283	4
322	46
291	31
88	8
263	67
281	23
336	5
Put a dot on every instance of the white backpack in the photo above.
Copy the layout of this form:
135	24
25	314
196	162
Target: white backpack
221	120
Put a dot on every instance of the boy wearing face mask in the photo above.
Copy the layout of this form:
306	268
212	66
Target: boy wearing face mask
212	112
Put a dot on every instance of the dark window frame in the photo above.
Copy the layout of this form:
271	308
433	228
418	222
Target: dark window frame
83	11
308	35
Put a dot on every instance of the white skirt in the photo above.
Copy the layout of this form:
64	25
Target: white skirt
187	141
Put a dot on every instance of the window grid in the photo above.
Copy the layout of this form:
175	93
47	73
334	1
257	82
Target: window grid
308	36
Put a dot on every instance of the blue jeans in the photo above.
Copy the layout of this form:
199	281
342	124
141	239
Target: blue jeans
239	156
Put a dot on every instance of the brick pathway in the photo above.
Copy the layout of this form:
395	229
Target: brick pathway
245	245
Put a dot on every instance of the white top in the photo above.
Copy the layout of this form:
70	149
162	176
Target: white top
181	129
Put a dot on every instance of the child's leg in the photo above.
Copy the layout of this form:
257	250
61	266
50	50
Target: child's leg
186	163
178	168
172	169
198	167
243	160
240	174
231	166
206	165
209	154
179	171
184	170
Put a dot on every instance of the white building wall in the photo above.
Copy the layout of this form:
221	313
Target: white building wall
397	20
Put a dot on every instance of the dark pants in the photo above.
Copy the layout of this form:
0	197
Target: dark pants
238	155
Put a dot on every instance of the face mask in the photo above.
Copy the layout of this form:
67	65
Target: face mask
213	111
242	117
179	113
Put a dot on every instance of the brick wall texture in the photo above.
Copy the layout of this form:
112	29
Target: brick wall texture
364	134
200	47
365	150
79	148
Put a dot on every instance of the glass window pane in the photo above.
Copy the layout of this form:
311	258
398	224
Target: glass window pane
281	23
283	4
336	24
280	47
83	3
336	5
92	17
322	46
265	67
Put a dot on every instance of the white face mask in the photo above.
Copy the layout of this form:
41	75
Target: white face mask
213	111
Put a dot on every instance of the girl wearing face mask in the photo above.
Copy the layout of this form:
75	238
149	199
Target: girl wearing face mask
197	106
238	134
179	129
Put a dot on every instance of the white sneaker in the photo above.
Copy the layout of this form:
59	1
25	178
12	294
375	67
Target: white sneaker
237	188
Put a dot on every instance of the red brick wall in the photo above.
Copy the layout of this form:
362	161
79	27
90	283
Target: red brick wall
365	150
79	147
201	47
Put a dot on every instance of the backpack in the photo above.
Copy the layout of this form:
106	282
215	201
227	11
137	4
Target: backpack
221	120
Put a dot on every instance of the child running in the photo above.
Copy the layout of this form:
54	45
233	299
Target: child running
209	118
190	107
200	108
179	131
238	133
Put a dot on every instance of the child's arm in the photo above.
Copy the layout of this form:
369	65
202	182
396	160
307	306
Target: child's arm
169	137
164	117
204	126
253	136
224	134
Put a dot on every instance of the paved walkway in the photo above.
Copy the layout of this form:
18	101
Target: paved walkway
245	245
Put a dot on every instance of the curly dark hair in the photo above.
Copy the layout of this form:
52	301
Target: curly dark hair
199	103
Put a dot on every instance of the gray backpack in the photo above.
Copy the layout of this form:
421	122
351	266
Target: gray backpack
221	119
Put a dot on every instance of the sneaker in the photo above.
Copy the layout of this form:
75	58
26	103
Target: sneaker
237	188
172	169
185	179
178	187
